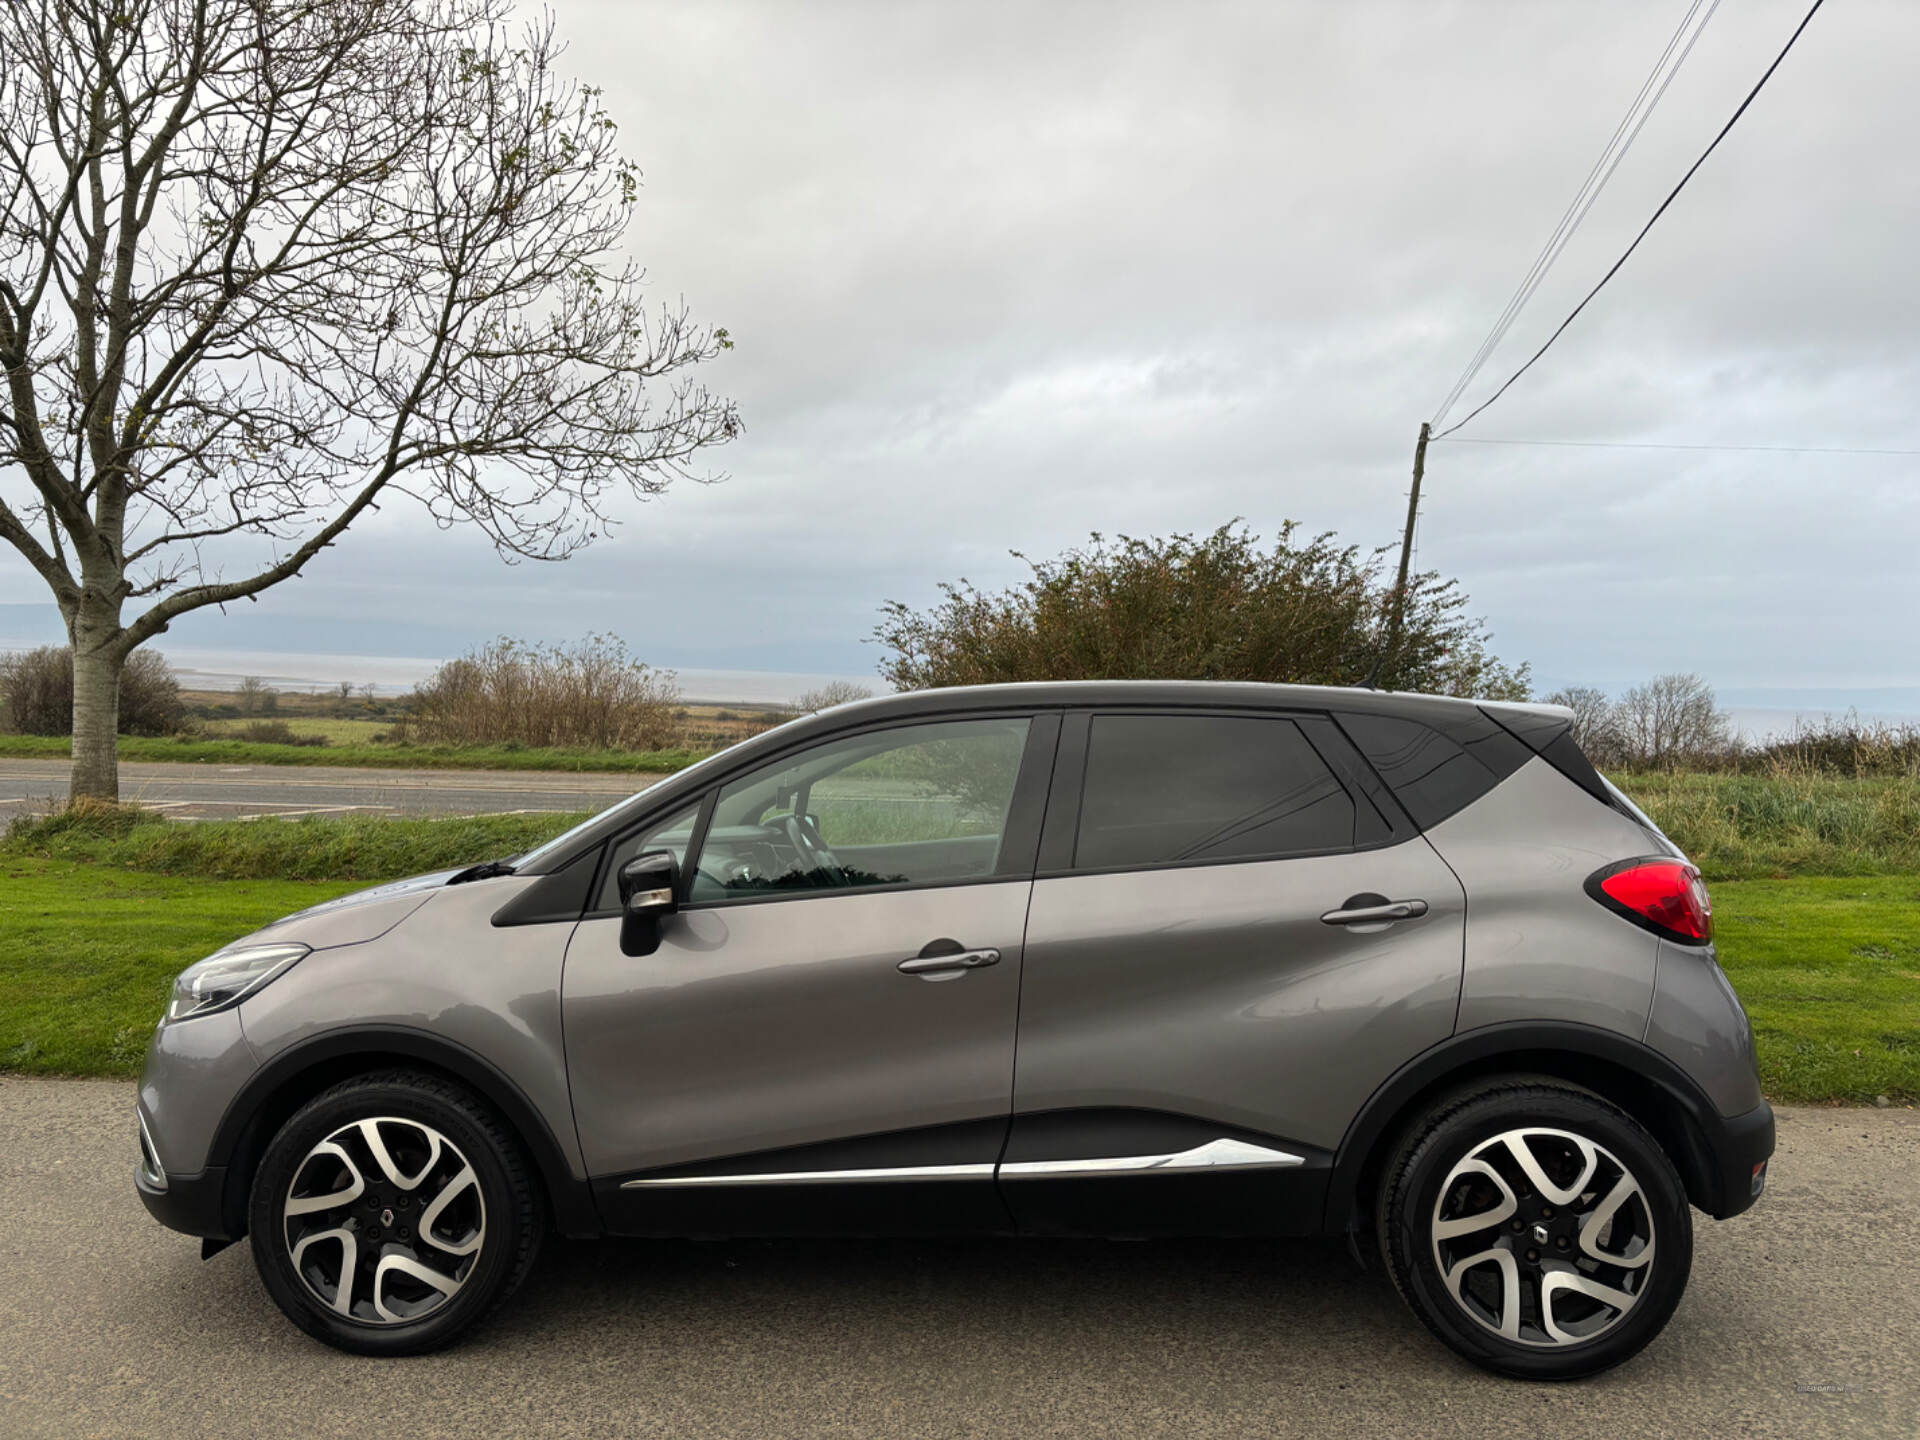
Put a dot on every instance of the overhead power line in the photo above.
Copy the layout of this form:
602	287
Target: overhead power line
1664	204
1657	445
1652	89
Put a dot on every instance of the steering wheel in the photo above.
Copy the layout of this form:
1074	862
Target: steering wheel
803	833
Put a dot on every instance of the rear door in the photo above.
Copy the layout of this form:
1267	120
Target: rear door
1216	972
823	1041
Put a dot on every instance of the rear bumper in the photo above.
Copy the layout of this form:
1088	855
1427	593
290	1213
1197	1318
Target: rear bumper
1740	1148
191	1204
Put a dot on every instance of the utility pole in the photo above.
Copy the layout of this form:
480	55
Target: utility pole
1406	554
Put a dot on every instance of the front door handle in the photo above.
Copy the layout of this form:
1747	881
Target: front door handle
1374	910
945	966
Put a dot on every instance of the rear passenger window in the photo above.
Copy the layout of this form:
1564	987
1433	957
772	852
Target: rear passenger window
1161	789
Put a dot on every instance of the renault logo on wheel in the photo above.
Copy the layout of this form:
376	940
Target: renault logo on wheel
1540	1235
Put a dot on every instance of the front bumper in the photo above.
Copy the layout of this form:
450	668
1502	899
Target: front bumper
192	1204
194	1069
1740	1151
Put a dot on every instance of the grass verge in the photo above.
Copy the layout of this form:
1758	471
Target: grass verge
362	848
1740	827
189	750
87	955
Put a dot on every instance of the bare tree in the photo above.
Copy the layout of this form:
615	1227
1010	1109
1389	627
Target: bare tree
834	692
264	262
1596	726
1669	719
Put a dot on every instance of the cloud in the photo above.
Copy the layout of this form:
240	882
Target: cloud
1005	274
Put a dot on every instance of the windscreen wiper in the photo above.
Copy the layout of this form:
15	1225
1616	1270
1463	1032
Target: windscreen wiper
485	870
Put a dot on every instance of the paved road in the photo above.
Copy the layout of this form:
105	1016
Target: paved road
200	792
1803	1319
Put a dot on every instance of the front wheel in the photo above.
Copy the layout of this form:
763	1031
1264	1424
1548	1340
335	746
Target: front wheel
390	1213
1536	1228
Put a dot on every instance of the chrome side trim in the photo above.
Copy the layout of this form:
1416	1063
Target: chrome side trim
822	1177
1214	1155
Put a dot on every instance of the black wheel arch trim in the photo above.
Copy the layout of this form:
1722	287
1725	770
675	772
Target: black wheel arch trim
1715	1154
239	1138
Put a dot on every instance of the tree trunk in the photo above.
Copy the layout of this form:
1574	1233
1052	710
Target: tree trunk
96	718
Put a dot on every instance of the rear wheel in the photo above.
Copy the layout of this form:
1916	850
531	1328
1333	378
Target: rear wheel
1536	1228
392	1212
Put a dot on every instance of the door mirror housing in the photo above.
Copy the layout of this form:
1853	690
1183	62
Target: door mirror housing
649	885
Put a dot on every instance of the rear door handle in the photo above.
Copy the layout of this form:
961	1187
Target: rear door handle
1378	912
955	963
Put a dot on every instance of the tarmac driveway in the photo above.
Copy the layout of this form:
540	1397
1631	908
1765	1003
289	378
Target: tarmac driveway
1803	1319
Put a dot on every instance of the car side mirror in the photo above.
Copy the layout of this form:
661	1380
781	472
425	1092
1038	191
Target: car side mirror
648	886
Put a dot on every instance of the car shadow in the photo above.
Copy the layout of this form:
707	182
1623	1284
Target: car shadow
1019	1296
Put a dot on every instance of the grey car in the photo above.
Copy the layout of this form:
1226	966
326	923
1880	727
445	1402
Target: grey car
1121	959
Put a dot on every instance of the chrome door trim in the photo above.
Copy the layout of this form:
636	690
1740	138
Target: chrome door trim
1220	1154
822	1177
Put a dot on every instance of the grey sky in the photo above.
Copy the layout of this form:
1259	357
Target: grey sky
1004	274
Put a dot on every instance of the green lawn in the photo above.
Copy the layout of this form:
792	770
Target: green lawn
1829	967
87	954
189	750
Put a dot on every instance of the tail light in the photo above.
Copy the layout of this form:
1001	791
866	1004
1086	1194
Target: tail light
1661	894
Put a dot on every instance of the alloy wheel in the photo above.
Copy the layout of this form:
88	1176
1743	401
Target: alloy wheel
384	1220
1543	1237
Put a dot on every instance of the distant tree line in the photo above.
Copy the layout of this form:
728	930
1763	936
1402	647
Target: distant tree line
1673	722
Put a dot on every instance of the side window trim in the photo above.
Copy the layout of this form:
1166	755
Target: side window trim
1061	828
1351	769
1020	842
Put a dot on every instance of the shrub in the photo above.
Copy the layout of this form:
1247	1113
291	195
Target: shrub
81	821
37	687
276	732
592	694
1220	607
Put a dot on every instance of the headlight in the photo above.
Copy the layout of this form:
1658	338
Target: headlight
228	978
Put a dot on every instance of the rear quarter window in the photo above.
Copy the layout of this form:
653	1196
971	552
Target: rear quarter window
1434	774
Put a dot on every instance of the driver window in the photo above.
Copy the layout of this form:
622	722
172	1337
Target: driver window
913	805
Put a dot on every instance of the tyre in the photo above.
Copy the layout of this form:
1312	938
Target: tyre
391	1212
1536	1228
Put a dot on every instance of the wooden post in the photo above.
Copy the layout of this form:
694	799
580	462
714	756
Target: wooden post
1406	553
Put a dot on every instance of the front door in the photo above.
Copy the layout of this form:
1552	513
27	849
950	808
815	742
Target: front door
823	1041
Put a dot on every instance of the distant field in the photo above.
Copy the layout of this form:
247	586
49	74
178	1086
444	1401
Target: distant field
336	732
